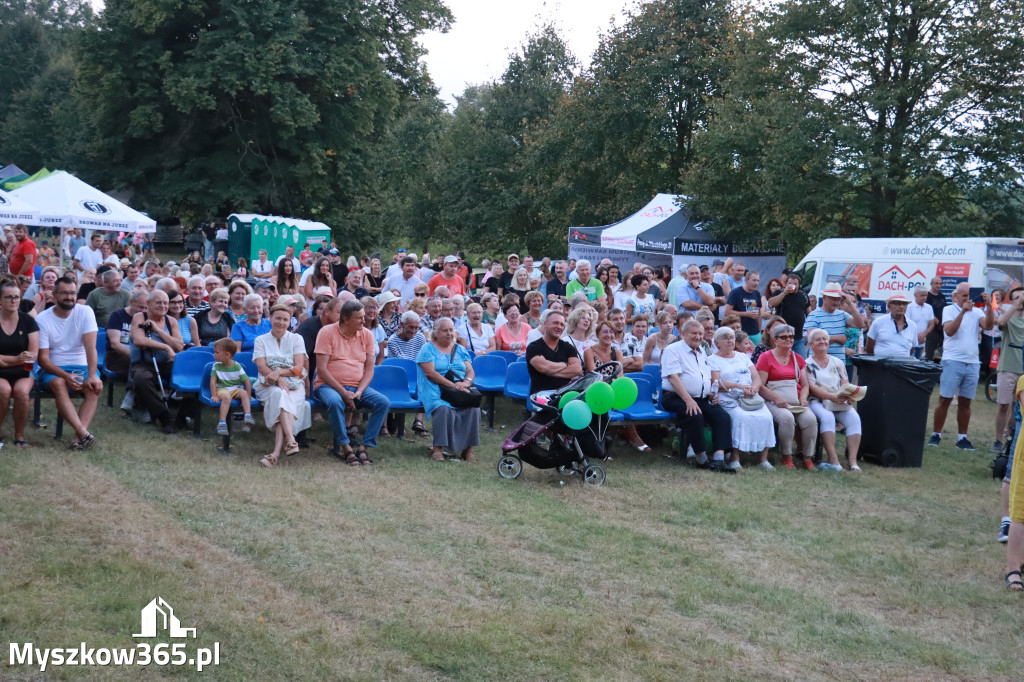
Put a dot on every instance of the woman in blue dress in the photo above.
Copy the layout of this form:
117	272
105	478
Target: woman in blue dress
457	429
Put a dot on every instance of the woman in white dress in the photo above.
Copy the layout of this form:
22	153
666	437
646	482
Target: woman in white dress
752	430
280	357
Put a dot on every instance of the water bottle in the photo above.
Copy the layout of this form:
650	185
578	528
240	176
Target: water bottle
714	389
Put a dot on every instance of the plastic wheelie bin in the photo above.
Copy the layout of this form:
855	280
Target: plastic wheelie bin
894	413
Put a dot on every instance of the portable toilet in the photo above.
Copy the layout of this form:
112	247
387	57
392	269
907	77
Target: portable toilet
240	236
275	233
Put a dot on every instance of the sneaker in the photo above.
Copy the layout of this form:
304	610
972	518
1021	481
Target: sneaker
249	420
1004	532
935	440
736	466
826	466
719	466
788	462
808	465
222	428
965	444
767	466
997	446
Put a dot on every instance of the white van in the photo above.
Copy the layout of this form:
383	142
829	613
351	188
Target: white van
875	268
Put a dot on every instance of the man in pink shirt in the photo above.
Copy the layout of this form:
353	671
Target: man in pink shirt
345	355
449	277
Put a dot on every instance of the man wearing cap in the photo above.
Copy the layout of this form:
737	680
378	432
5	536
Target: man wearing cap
405	281
961	365
448	277
923	317
512	264
339	270
837	312
708	278
694	294
895	333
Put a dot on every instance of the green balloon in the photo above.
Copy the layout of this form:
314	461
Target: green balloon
625	391
576	415
566	398
600	397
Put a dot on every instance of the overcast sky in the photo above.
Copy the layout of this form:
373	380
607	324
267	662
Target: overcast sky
484	33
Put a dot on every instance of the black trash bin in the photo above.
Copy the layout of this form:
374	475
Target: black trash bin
894	413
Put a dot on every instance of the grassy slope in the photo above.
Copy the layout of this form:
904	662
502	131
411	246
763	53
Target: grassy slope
416	570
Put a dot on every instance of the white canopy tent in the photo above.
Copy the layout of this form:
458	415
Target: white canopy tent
65	201
16	210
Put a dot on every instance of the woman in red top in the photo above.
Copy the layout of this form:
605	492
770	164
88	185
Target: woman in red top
513	334
786	388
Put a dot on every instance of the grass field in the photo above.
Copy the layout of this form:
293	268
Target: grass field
410	569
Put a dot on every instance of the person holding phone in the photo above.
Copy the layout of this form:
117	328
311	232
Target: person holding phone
961	364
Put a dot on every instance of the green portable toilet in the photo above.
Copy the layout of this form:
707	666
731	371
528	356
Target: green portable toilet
275	233
240	237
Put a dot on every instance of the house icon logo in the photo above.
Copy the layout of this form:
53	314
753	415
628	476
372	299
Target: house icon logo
159	614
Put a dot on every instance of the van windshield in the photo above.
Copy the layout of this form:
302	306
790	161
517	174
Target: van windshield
806	274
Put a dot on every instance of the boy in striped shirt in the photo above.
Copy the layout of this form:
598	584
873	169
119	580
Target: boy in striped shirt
229	381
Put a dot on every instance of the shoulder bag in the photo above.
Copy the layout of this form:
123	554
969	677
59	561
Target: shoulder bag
453	396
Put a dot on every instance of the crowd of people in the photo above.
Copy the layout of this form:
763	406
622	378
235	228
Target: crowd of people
760	369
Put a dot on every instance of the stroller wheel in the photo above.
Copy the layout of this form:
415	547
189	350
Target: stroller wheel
593	475
510	466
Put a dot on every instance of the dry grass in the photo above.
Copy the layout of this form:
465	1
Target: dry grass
415	570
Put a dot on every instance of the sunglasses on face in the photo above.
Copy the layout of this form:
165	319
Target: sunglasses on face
784	337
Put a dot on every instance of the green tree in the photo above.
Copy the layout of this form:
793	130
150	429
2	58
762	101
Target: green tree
627	128
868	118
263	105
39	108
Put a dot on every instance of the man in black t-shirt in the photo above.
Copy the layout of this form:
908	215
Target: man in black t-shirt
937	300
552	362
791	304
745	301
339	270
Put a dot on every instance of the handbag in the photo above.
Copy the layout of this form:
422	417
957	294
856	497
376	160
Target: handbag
788	389
754	402
453	396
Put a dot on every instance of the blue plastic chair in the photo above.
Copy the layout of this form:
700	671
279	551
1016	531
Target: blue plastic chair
644	409
393	382
521	358
653	385
200	349
508	356
187	372
101	348
490	380
409	366
206	398
517	381
654	371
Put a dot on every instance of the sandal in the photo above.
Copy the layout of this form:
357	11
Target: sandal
1014	585
349	457
83	443
291	449
418	429
437	456
269	462
361	456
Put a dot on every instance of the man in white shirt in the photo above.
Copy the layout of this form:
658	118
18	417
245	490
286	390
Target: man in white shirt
396	266
536	276
960	362
923	317
686	380
68	359
90	256
289	252
405	281
892	334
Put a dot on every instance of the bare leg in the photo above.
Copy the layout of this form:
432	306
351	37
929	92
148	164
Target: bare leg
763	457
852	448
225	407
1015	548
21	403
5	400
1002	417
941	409
828	440
87	410
735	455
278	441
67	408
963	414
286	421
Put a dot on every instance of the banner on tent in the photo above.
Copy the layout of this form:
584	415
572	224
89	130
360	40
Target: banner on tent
724	249
624	259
